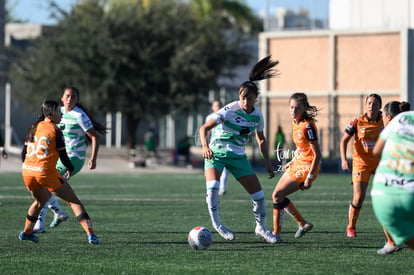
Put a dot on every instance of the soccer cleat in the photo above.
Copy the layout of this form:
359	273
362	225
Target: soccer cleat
266	234
58	219
25	237
278	237
389	248
350	232
225	232
93	239
302	230
39	230
222	192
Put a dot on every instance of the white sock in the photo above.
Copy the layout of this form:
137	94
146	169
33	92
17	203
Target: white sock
53	204
223	179
212	200
259	208
40	223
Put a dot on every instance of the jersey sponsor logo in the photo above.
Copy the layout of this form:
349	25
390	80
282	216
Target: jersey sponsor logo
398	181
32	168
244	131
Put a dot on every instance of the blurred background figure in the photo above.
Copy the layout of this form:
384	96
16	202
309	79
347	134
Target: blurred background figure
215	106
183	149
279	144
150	142
3	150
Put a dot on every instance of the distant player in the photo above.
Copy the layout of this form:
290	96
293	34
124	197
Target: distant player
304	167
365	129
215	106
43	147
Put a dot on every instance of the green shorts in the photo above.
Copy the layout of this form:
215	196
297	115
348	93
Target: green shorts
396	213
238	166
76	162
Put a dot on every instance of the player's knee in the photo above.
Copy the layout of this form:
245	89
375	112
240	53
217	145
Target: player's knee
281	205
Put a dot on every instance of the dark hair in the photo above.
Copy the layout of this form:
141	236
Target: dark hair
376	96
310	111
219	102
393	108
263	69
96	125
48	108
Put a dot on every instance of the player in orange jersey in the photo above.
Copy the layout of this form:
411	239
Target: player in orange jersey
365	129
44	146
304	167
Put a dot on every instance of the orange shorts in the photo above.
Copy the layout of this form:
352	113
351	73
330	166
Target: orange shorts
299	172
50	182
362	173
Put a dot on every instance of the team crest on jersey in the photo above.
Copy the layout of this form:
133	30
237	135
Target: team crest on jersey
357	174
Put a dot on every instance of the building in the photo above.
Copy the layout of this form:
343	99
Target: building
338	68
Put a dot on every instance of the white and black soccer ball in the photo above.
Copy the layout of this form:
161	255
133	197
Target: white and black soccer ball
200	238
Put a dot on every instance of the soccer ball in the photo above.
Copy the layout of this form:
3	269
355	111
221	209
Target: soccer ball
200	238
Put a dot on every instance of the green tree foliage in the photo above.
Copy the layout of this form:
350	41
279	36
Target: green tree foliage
140	60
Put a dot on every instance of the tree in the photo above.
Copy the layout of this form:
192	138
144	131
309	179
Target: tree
130	58
234	12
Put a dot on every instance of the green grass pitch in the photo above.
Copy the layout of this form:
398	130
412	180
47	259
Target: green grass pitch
143	221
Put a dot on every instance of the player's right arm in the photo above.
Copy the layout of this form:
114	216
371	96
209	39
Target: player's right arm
343	147
348	133
204	129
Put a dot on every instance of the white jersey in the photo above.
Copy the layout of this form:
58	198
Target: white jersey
234	129
396	168
217	127
76	123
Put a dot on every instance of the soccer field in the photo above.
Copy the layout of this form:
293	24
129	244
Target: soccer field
143	221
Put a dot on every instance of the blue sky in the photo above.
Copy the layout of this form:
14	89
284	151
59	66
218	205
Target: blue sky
35	11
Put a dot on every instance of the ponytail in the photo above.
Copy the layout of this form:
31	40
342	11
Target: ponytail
264	69
48	108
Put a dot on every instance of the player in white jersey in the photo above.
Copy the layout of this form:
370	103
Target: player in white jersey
79	128
215	106
393	186
238	121
391	110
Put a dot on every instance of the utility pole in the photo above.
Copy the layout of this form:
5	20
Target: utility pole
2	46
2	63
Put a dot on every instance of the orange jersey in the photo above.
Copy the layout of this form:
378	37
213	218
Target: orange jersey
42	154
304	133
365	135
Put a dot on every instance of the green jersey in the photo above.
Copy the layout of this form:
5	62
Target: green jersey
75	124
234	130
395	172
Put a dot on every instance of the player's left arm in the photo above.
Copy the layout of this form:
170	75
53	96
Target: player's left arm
94	147
264	149
311	136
